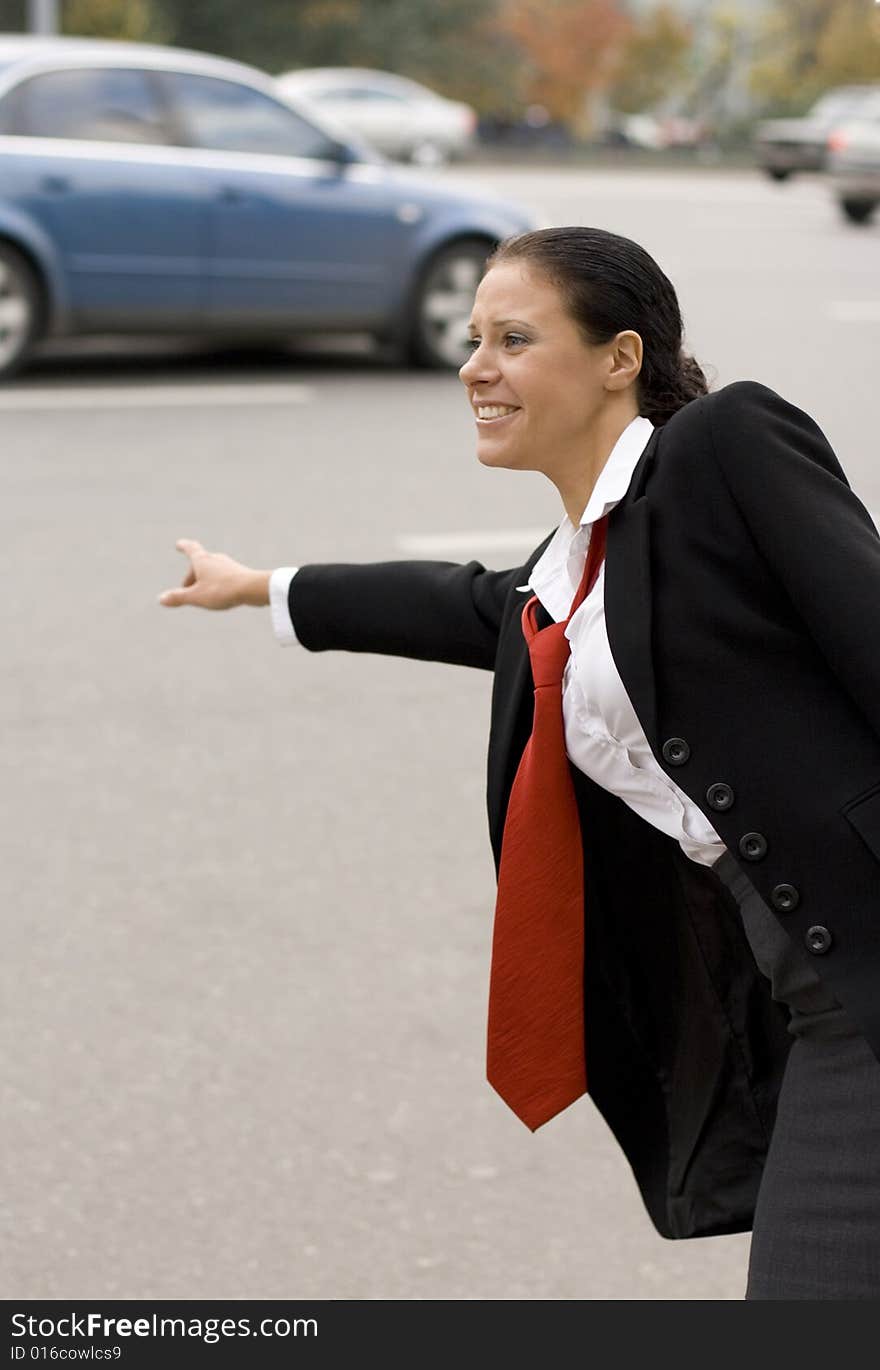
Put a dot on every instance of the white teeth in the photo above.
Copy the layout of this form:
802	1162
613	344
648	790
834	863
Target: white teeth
495	411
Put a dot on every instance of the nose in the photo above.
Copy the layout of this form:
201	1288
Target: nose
478	367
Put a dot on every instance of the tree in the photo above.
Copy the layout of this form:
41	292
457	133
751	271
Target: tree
653	61
264	34
717	95
453	46
13	16
808	47
136	20
569	47
448	45
849	45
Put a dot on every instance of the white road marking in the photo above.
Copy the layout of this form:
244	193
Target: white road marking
206	396
483	539
854	311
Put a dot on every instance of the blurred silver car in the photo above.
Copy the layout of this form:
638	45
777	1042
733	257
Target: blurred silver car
854	163
398	117
784	146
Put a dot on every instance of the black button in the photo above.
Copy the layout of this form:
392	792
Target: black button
676	751
719	796
785	897
818	939
753	845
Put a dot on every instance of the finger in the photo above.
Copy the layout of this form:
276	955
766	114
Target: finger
173	598
189	546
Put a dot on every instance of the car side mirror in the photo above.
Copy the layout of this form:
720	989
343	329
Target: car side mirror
342	154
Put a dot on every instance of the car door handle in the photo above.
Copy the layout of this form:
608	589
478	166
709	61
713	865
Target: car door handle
56	185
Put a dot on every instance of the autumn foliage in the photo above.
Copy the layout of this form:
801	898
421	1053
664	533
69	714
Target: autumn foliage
570	48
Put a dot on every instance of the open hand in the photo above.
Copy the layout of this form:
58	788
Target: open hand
215	581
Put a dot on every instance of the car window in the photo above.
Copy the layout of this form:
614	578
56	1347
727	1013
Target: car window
115	105
869	110
331	93
224	115
838	105
362	93
864	106
8	115
828	106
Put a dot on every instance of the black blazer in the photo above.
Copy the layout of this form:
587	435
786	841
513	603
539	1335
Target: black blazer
742	602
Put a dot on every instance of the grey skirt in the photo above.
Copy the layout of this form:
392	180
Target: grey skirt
816	1232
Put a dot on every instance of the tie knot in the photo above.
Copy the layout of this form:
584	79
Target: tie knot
549	650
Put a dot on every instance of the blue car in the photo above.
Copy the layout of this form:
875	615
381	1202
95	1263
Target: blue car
151	190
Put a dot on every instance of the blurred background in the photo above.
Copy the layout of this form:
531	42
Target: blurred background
247	891
579	74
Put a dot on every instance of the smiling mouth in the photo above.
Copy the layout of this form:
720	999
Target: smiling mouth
495	413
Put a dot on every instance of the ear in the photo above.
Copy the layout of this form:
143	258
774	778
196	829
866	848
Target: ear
624	360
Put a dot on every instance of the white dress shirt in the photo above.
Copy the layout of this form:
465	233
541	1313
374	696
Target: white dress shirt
603	736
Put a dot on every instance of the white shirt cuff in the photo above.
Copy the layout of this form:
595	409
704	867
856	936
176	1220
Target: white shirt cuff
279	590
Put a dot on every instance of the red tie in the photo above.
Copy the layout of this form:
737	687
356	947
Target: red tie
536	1054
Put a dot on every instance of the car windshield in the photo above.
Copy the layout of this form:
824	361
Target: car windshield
869	109
837	105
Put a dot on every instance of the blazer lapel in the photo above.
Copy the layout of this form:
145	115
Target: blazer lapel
628	594
512	707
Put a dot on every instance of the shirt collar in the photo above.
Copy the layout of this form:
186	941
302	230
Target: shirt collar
615	476
556	575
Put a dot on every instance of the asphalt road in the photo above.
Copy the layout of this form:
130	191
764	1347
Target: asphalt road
247	891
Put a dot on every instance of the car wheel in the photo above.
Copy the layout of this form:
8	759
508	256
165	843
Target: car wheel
778	173
21	304
858	211
443	301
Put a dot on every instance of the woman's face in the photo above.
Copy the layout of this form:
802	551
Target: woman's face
536	387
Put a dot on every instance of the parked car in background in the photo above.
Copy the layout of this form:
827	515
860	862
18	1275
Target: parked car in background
658	132
399	117
854	162
151	190
784	146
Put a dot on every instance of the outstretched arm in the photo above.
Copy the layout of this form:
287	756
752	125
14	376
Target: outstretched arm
430	611
427	610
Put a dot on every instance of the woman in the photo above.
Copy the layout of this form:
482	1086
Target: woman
719	676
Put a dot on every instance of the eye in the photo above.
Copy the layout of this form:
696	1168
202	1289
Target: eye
515	339
472	344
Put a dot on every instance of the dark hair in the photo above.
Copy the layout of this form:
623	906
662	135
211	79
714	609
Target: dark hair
610	284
